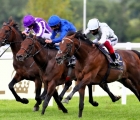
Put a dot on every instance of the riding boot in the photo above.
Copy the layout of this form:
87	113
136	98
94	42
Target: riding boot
115	61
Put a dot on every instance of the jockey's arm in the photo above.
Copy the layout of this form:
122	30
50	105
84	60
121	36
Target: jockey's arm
41	29
26	31
104	36
59	39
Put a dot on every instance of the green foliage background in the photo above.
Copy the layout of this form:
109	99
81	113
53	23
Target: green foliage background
123	16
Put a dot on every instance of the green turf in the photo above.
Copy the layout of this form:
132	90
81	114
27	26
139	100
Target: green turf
107	110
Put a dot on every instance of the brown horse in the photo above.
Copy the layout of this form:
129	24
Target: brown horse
46	57
92	65
10	34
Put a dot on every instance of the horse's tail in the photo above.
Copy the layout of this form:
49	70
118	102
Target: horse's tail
137	52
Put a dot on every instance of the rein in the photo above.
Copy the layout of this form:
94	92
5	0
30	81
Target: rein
29	53
76	49
66	55
5	50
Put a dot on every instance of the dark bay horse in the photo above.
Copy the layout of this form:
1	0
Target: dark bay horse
53	74
92	65
10	34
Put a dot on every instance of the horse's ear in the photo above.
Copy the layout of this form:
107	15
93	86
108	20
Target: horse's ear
11	21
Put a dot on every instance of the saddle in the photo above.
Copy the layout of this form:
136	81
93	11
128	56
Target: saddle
108	57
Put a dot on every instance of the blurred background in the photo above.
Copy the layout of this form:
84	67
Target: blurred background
123	16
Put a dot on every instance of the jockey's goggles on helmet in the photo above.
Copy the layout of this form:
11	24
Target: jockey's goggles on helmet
54	26
94	30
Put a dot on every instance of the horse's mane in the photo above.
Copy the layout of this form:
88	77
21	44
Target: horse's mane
79	35
42	42
13	24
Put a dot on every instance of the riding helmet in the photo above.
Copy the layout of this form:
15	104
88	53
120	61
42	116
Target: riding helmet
28	20
93	24
54	20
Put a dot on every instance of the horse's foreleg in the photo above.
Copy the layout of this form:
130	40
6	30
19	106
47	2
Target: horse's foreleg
57	100
75	89
66	87
94	103
81	102
38	85
42	96
52	91
11	87
105	87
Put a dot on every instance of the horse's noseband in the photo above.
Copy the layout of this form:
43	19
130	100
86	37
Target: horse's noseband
28	52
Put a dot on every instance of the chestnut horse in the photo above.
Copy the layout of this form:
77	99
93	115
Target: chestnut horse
53	74
10	34
92	65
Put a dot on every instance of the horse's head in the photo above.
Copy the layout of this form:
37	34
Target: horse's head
26	49
67	48
9	32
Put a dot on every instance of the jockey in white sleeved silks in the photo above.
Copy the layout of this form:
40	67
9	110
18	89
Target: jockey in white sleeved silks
104	35
37	25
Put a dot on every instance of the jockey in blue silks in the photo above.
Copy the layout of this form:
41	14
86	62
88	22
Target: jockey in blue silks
36	25
60	26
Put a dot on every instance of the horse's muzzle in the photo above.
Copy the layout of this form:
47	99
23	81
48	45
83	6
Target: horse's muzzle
20	57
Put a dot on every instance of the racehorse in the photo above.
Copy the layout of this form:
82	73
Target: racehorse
92	65
53	74
10	34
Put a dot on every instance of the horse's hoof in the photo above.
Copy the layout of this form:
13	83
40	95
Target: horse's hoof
116	98
25	101
36	109
42	113
65	111
95	104
65	101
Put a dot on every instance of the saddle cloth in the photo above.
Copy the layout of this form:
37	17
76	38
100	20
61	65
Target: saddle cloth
107	55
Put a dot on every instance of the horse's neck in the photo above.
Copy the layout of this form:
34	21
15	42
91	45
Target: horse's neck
83	52
15	44
44	56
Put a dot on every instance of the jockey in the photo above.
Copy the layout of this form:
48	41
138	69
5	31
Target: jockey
62	27
36	25
104	36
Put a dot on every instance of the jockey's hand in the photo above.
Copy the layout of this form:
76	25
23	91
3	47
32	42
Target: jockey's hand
99	43
25	33
48	41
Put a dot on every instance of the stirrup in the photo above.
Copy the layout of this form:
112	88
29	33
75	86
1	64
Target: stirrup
116	63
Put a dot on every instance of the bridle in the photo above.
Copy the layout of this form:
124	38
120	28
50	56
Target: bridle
7	36
66	55
28	52
5	39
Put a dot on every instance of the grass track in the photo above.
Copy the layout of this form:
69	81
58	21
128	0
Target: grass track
107	110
